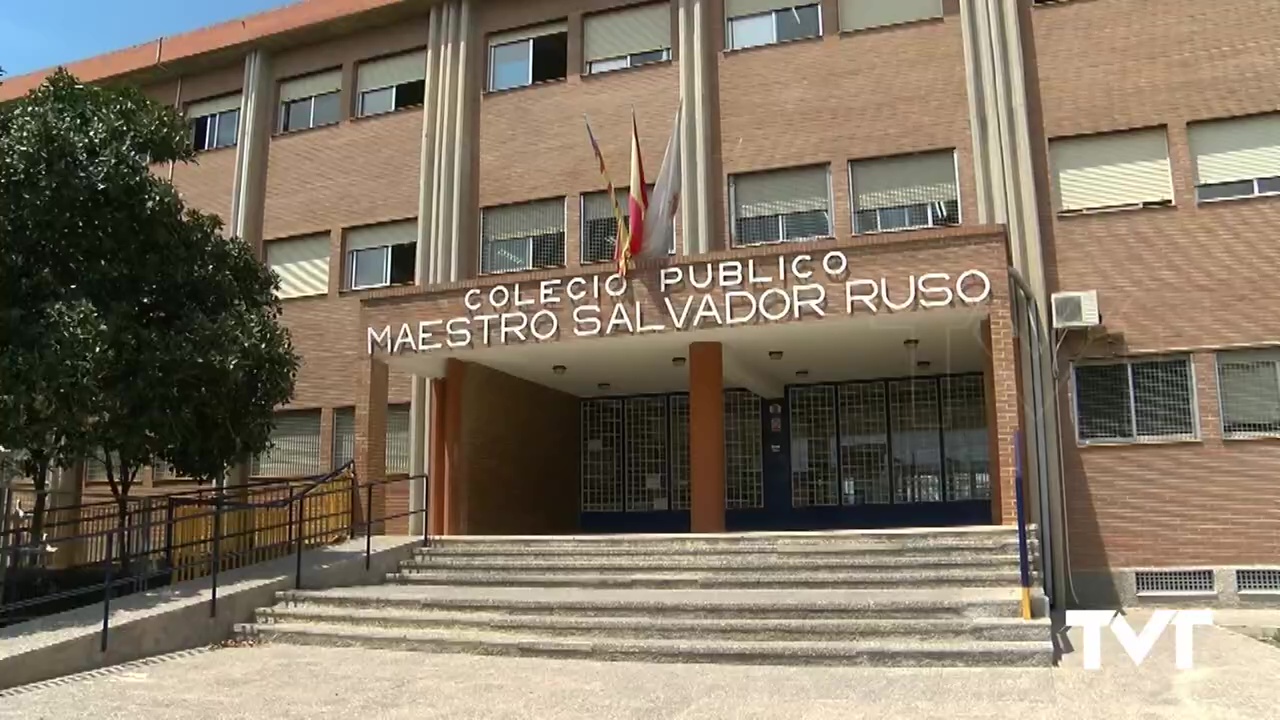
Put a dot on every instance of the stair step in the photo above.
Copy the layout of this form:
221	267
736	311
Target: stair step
639	626
727	562
794	547
896	652
676	579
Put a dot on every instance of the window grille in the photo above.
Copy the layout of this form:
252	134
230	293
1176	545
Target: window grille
814	475
905	192
397	439
779	205
916	440
1258	580
679	409
1165	582
295	450
601	455
344	436
522	237
743	450
965	440
864	443
1249	389
1135	401
646	453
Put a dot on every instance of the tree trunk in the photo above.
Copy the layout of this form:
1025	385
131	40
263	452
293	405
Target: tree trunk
122	532
35	545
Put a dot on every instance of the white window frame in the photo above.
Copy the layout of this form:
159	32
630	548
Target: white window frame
386	266
311	115
629	59
782	230
211	129
1222	406
728	26
528	76
360	112
1257	190
1137	439
853	201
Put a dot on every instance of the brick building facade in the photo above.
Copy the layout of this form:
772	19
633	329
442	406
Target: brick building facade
400	161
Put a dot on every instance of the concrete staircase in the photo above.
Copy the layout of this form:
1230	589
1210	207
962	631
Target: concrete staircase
945	597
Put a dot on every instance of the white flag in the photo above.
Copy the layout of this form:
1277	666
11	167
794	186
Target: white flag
664	202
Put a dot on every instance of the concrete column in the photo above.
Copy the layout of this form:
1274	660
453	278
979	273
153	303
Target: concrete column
462	128
257	108
706	437
455	470
419	413
437	469
688	142
371	435
427	259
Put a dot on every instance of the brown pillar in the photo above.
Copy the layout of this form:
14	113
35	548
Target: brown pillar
435	459
706	437
371	438
455	484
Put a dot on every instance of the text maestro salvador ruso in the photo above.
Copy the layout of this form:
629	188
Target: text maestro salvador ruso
689	297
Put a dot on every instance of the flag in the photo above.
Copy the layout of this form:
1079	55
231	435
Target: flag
637	204
608	184
660	216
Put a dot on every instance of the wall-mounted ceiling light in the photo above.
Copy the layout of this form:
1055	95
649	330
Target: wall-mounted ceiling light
802	373
558	369
677	361
604	386
910	343
775	354
923	364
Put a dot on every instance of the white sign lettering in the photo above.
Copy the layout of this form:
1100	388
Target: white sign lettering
1138	645
716	294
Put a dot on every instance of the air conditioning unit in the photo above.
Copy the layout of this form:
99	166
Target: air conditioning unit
1072	310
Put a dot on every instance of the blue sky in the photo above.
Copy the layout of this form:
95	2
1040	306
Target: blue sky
36	34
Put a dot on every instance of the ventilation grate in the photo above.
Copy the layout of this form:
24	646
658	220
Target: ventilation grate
1167	582
1258	580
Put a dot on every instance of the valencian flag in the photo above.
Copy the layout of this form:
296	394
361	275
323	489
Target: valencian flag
637	204
623	237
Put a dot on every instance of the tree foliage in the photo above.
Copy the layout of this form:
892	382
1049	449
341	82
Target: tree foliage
132	330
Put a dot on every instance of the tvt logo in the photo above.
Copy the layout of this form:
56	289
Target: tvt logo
1138	645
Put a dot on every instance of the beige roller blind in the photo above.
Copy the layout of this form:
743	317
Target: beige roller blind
739	8
1112	170
392	233
311	85
511	36
398	439
344	436
393	70
213	106
627	32
296	446
508	222
302	264
1238	149
596	206
862	14
905	180
781	191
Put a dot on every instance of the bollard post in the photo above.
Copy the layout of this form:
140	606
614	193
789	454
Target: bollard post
106	591
297	559
217	551
368	525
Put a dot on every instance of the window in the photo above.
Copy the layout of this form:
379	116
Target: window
779	205
391	83
863	14
905	192
600	227
1236	158
532	55
382	255
1111	171
522	237
1249	390
302	264
344	438
310	101
765	22
627	38
215	123
295	446
1135	401
96	470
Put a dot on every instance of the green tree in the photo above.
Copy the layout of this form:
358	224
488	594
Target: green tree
174	350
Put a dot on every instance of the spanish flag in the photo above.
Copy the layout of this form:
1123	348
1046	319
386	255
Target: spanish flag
637	205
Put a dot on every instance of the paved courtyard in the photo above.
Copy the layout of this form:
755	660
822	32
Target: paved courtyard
1235	677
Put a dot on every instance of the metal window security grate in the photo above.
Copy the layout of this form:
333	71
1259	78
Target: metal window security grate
743	450
678	408
814	475
1249	386
1135	400
522	236
909	191
645	449
599	226
965	440
917	443
344	436
864	444
398	439
1259	580
295	450
601	462
1103	408
1162	582
778	205
1163	404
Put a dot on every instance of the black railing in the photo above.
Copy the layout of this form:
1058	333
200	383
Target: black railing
159	541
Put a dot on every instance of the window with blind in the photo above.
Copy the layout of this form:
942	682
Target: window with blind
301	264
295	446
864	14
530	55
311	101
381	255
95	469
1249	392
779	205
1236	158
905	192
600	227
344	437
1114	170
522	236
1135	401
627	38
215	123
391	83
751	23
